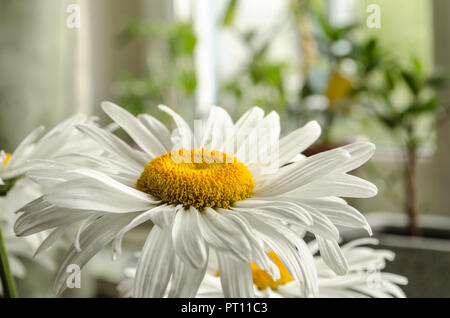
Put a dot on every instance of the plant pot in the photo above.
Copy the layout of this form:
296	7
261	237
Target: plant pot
424	260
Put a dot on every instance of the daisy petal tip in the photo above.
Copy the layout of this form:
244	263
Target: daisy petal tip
368	229
163	107
371	147
105	106
375	190
108	106
313	124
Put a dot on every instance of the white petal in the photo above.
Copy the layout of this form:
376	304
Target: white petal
219	123
321	224
155	265
140	219
19	155
158	129
302	173
58	139
251	118
98	192
188	242
116	146
360	153
94	238
235	276
82	227
51	239
143	137
340	213
225	234
338	184
297	141
185	280
259	255
282	210
164	215
292	251
184	131
332	255
38	217
259	141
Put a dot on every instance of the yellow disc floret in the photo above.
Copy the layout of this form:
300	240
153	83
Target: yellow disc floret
197	177
263	280
6	159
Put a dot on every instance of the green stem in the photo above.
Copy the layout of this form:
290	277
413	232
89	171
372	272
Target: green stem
9	286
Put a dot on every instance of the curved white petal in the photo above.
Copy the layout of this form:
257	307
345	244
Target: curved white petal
94	238
155	265
20	154
110	195
235	276
218	126
332	255
360	153
188	242
292	251
339	212
116	146
282	210
302	173
158	129
185	280
338	184
142	136
185	131
297	141
40	216
225	234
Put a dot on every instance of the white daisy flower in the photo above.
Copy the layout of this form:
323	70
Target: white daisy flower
365	278
16	189
204	191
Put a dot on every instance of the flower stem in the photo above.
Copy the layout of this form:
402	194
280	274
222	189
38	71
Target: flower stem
9	286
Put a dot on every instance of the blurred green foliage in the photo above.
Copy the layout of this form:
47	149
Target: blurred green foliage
398	94
170	77
326	51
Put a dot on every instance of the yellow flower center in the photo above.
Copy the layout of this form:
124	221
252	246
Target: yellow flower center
6	159
197	177
262	279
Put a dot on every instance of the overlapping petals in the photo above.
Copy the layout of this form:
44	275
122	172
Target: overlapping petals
301	196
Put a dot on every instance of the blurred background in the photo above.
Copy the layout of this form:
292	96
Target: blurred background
364	69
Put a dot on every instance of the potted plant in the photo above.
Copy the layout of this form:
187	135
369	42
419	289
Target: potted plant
403	99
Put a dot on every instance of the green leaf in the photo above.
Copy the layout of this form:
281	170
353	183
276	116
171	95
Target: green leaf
228	18
182	39
428	106
410	81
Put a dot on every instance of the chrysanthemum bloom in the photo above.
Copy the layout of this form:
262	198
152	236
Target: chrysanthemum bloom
16	189
201	193
365	277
